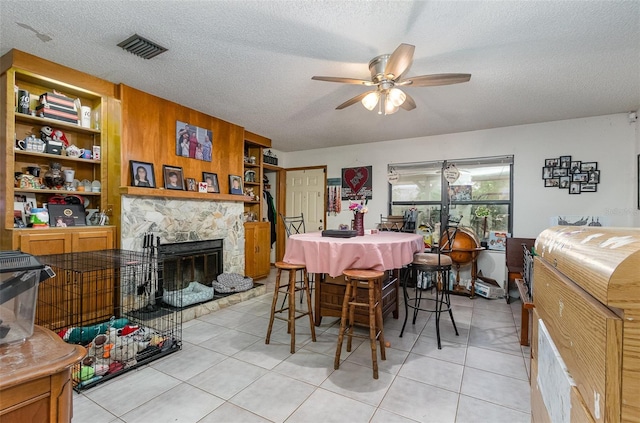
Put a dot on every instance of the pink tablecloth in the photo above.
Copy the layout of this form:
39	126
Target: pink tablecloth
381	251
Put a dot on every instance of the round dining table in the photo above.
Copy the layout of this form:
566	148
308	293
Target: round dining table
380	251
331	256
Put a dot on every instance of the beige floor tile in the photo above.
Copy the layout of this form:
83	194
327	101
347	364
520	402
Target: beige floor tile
498	389
132	389
229	413
307	366
182	404
357	382
451	351
442	374
473	410
328	407
227	378
420	402
273	396
496	362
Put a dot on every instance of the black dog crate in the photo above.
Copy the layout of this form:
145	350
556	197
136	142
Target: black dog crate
107	301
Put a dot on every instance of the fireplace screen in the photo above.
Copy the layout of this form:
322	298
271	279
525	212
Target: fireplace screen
190	267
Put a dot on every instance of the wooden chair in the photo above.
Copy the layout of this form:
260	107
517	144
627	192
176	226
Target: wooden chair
372	281
289	289
515	260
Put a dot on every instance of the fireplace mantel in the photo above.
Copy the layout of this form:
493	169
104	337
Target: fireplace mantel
191	195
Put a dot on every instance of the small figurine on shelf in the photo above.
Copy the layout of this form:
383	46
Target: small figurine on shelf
53	178
46	133
58	135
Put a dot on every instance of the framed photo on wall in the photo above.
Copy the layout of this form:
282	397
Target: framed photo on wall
191	184
574	188
142	174
235	185
173	178
193	142
211	179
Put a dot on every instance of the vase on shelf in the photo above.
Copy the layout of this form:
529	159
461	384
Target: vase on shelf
358	223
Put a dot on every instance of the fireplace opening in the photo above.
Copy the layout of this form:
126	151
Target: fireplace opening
187	270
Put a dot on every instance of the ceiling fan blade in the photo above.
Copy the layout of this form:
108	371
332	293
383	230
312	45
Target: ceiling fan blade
400	61
409	103
343	80
435	79
353	100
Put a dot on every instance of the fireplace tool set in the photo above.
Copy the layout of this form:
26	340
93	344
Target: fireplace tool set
150	287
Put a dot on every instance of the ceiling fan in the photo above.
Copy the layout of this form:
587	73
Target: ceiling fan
387	73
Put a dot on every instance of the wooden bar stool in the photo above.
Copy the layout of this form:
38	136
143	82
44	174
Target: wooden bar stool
439	266
372	281
289	289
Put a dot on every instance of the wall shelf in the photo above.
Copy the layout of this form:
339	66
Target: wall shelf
58	124
54	157
166	193
56	191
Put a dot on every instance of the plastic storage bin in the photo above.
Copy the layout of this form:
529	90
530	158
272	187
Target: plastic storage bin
20	274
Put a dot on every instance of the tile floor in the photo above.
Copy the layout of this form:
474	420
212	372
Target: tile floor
226	373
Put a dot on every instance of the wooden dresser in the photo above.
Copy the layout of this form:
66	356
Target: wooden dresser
585	349
35	379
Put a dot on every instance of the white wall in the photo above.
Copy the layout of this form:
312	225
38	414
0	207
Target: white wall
610	140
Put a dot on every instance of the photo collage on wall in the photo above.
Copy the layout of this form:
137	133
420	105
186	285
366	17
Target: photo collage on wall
573	175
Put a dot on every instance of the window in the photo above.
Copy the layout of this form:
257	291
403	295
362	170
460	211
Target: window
481	197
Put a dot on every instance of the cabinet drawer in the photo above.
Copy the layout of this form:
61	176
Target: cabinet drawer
588	337
24	392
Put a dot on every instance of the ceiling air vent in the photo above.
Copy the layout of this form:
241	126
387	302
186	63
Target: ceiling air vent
142	47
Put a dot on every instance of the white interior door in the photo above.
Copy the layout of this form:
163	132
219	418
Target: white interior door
305	194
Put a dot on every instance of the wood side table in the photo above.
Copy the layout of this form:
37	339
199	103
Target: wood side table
35	378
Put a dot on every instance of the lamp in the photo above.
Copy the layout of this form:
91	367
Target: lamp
389	99
370	100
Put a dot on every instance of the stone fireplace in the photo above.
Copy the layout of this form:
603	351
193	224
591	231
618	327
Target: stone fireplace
185	220
176	221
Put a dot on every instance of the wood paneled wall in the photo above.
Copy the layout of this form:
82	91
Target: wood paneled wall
149	135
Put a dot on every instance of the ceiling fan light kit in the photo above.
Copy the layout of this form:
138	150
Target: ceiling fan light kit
387	72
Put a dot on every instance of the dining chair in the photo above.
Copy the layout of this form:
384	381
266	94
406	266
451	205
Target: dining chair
391	223
295	225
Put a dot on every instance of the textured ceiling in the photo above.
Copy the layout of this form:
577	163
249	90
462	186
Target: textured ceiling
251	62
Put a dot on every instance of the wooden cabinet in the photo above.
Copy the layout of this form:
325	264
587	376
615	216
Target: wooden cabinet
58	294
585	355
257	245
67	240
35	378
257	232
37	76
